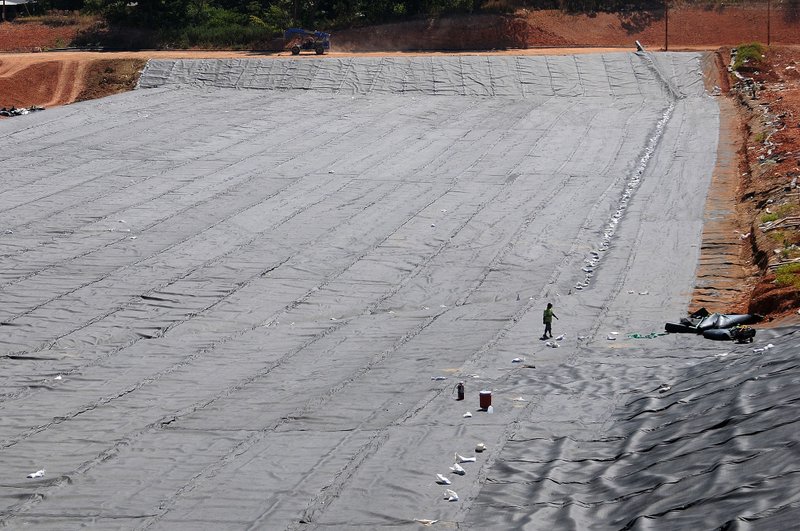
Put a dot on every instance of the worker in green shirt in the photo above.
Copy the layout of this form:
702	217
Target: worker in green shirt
548	320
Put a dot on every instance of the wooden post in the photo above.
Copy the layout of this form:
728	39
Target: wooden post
768	20
4	10
666	25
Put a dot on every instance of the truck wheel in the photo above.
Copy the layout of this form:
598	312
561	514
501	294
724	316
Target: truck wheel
295	50
319	49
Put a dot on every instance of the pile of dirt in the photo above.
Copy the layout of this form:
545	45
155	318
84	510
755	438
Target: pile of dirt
104	77
40	80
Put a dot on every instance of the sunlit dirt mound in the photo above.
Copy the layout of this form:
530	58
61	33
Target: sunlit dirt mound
24	82
677	28
35	36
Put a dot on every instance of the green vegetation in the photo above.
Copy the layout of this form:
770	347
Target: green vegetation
788	275
781	211
749	54
240	23
785	209
778	236
176	15
790	253
250	23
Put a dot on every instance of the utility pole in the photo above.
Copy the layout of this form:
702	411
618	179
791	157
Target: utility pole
768	20
4	10
666	25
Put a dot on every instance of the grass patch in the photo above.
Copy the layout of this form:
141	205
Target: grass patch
220	36
57	19
760	137
778	236
788	275
225	36
781	211
785	210
749	55
790	253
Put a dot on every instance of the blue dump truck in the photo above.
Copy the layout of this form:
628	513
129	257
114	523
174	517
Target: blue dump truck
298	39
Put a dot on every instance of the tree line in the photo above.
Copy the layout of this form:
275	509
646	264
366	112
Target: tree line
279	14
248	23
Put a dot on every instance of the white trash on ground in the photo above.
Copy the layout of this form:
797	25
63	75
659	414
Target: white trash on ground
450	495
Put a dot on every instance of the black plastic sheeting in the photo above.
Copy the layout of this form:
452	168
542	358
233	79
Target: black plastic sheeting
718	320
715	325
13	111
716	448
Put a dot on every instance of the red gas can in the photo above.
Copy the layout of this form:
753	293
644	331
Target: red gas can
485	399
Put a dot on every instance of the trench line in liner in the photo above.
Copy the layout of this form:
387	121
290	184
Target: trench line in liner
594	258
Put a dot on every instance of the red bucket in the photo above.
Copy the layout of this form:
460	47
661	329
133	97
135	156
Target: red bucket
486	399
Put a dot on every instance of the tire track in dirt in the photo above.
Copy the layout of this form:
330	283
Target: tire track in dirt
70	82
48	83
9	66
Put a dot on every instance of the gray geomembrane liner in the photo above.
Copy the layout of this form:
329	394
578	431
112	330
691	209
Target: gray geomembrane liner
241	296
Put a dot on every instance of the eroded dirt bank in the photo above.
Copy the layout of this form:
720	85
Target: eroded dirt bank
770	167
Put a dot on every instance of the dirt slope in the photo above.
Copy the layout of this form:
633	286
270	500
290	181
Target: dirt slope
770	169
